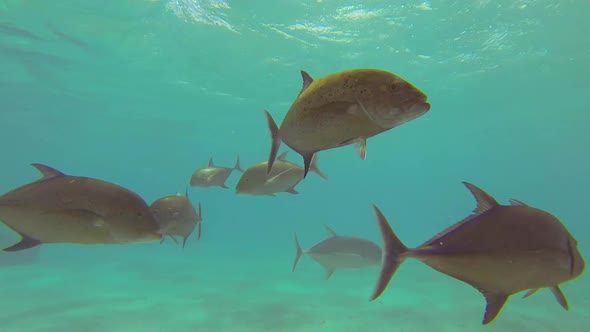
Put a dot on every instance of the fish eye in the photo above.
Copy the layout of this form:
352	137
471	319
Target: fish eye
393	86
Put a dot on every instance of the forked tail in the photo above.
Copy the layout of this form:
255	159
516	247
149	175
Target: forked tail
297	254
393	254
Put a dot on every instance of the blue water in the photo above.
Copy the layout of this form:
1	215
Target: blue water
141	93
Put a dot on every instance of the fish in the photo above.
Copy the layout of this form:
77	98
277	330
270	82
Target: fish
61	208
213	176
499	250
284	176
341	252
177	217
344	108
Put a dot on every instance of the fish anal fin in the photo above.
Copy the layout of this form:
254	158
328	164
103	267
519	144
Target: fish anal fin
307	158
199	230
494	304
26	242
184	241
224	186
276	141
516	202
47	172
329	273
484	201
292	190
330	230
560	297
307	80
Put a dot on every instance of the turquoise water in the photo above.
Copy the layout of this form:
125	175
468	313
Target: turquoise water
141	93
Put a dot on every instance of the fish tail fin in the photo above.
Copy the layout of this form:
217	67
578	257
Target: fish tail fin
315	168
237	167
393	254
297	254
276	141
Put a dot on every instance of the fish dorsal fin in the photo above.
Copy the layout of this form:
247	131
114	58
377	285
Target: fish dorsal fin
211	162
283	156
516	202
331	231
186	193
47	172
484	201
307	80
494	304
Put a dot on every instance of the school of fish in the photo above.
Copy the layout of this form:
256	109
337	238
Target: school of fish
500	250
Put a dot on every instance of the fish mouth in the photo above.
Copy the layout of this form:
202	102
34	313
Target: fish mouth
420	108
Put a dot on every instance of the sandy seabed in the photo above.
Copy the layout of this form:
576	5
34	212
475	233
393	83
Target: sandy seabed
163	288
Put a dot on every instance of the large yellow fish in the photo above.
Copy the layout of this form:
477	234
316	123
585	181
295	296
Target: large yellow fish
60	208
345	108
499	250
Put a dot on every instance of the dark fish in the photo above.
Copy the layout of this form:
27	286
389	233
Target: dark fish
177	216
67	38
213	176
60	208
344	108
18	32
499	250
341	252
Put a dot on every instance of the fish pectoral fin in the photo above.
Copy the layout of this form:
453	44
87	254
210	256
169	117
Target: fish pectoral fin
275	177
361	146
494	304
26	242
560	297
329	272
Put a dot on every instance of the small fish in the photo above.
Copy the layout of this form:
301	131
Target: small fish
344	108
213	176
499	250
283	177
341	252
177	217
60	208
